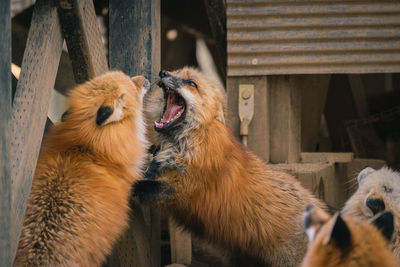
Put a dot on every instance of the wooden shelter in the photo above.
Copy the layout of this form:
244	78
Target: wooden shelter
134	47
286	52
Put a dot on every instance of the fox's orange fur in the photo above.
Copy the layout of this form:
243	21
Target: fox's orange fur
221	191
367	245
78	205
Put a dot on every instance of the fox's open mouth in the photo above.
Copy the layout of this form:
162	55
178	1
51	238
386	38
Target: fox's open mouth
174	110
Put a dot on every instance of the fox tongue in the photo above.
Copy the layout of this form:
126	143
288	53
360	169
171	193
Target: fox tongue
172	108
170	112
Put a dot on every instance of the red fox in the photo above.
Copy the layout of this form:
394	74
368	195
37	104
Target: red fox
78	204
378	190
213	186
340	240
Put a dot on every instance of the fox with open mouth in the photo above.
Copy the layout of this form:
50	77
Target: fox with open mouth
213	186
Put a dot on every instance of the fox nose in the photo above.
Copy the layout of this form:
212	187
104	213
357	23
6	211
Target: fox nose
375	205
163	74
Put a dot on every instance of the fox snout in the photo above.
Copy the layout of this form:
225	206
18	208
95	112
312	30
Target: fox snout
376	205
169	81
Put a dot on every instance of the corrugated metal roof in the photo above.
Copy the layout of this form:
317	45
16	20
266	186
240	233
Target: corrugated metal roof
308	36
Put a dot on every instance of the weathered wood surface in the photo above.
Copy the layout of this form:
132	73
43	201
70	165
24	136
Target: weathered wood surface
134	47
314	89
326	157
30	105
285	118
216	13
181	244
258	138
83	38
5	115
299	37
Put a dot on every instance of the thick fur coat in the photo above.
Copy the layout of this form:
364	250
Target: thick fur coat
78	204
216	188
342	241
378	190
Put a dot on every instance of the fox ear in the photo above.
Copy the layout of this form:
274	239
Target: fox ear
340	235
103	114
364	173
384	223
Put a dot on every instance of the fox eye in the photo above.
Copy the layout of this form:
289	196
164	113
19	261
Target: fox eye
387	189
190	83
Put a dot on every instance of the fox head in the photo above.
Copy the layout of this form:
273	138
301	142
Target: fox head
104	113
189	99
341	241
378	190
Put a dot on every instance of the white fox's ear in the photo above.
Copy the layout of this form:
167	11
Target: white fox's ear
220	115
364	173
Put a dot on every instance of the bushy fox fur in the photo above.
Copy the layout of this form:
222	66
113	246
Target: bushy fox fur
219	190
378	190
342	241
78	204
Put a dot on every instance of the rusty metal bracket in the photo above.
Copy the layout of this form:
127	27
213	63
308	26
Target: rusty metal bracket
246	109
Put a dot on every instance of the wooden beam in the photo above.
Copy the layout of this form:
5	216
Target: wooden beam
258	138
30	106
181	244
285	118
326	157
83	38
359	96
216	13
314	89
134	47
5	115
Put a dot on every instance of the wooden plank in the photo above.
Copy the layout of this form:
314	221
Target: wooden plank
318	178
216	13
30	105
314	89
285	119
134	47
181	244
259	127
83	38
326	157
5	114
359	95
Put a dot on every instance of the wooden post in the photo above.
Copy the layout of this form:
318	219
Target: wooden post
83	38
181	244
285	118
314	89
216	13
5	114
258	139
30	105
134	43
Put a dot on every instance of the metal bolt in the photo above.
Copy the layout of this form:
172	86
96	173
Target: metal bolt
246	94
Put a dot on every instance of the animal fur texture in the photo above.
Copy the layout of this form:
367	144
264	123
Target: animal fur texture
378	190
342	241
78	204
215	187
